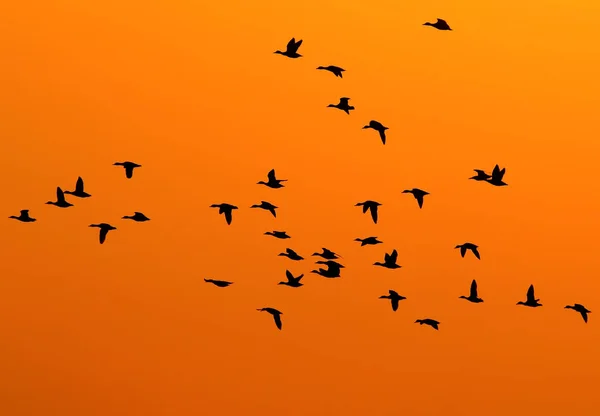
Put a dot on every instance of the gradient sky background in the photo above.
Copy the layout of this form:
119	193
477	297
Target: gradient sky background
192	91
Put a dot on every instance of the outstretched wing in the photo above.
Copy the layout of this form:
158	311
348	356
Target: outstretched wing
228	216
382	135
394	256
277	319
419	198
79	185
289	275
584	316
128	171
395	302
531	294
473	289
25	212
271	174
103	232
60	196
476	252
374	213
463	251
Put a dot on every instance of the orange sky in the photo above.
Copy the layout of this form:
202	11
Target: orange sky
192	91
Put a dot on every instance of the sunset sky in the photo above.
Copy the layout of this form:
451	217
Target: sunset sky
192	91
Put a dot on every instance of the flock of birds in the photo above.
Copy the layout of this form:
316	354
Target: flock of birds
333	269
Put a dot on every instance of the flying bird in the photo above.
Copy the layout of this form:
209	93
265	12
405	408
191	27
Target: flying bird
440	24
369	241
394	297
129	167
497	175
276	315
218	283
418	194
335	70
581	309
291	50
378	127
266	206
327	254
343	105
104	229
60	200
481	175
473	294
431	322
370	205
468	246
226	209
137	217
23	217
291	280
273	182
278	234
333	269
531	300
291	254
389	261
78	192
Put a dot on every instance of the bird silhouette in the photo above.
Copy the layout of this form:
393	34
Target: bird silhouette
473	294
333	269
581	309
78	192
291	50
137	217
343	105
431	322
129	167
497	176
291	280
291	254
272	181
266	206
60	200
394	297
468	246
389	261
370	205
276	315
218	283
23	217
378	127
335	70
369	241
481	175
327	254
278	234
226	209
531	300
418	194
440	24
104	229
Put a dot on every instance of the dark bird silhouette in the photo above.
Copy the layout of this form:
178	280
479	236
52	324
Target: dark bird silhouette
291	280
481	175
389	261
218	283
473	294
418	194
291	50
378	127
468	246
531	300
23	217
331	264
104	229
278	234
431	322
370	205
291	254
266	206
369	241
272	181
333	269
60	200
327	254
276	315
343	105
581	309
440	24
497	176
137	217
226	209
335	70
394	297
129	167
78	192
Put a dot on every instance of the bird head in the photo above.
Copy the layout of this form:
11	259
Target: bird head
282	283
520	303
459	246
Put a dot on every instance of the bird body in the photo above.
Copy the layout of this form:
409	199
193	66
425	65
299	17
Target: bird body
226	209
291	50
469	246
104	229
129	167
78	192
378	127
369	241
137	217
343	105
335	70
431	322
23	217
218	283
418	194
267	206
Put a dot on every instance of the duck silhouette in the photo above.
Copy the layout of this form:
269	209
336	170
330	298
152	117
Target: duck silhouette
276	315
372	206
226	209
481	175
343	105
431	322
333	269
497	175
581	309
378	127
291	50
468	246
278	234
272	182
137	217
60	200
335	70
473	294
394	297
369	241
218	283
418	194
78	192
327	254
104	229
440	24
129	167
291	254
291	280
389	261
531	300
266	206
23	217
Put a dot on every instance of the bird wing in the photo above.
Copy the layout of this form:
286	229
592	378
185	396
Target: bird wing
463	251
476	252
277	319
394	256
24	212
584	316
441	20
271	174
419	198
531	294
434	325
501	173
103	232
272	211
60	196
382	135
496	171
343	101
129	171
289	275
365	207
291	44
395	302
228	216
393	292
79	185
374	214
290	251
473	289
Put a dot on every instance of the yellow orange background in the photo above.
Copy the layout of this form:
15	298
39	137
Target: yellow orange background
192	91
